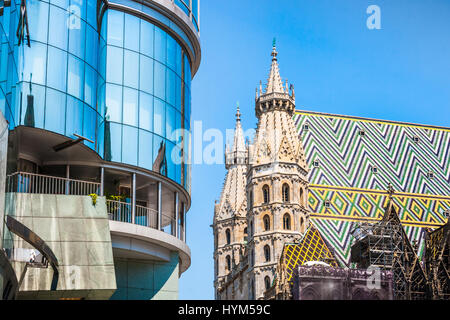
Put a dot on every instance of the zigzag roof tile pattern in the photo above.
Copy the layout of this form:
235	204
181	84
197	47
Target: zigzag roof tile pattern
348	148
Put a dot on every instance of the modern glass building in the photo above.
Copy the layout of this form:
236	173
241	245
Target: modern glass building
97	95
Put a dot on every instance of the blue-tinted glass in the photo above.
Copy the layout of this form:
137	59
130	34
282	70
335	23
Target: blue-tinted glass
131	69
171	53
157	145
147	38
178	93
104	26
92	13
160	80
159	118
183	6
171	157
145	149
55	111
160	45
60	3
114	142
101	93
33	109
171	87
100	136
179	60
33	61
146	74
79	8
195	9
38	20
130	106
89	124
145	111
129	147
131	32
115	28
58	27
77	40
114	64
74	118
92	45
102	62
56	70
75	77
90	86
113	102
187	71
170	123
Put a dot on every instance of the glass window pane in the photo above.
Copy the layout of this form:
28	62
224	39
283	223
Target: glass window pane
114	64
55	111
74	118
38	24
92	45
33	105
113	141
56	71
130	106
75	79
115	28
81	8
129	146
92	13
145	149
159	118
171	53
33	61
58	27
131	32
170	123
160	80
160	45
146	74
90	87
146	111
89	124
77	39
171	87
113	102
147	38
131	69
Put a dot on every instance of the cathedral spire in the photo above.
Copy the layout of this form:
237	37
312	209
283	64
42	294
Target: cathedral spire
274	83
239	142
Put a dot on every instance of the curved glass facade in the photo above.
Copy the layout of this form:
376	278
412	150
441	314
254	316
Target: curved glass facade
145	95
190	6
57	74
126	86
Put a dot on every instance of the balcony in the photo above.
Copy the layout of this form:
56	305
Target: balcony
121	211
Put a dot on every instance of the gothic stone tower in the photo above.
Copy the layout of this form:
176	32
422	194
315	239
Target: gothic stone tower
277	184
230	223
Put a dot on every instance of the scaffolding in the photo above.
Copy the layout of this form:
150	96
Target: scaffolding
385	245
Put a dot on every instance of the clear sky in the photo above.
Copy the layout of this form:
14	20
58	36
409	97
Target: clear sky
400	72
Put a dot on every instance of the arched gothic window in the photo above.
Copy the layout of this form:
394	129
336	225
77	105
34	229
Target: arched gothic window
266	221
287	222
267	282
301	196
228	259
266	197
228	235
285	191
267	253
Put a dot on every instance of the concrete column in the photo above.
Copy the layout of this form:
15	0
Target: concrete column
176	215
102	182
133	198
184	222
67	177
159	192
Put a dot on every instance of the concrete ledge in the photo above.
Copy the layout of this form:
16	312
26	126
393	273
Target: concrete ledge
148	237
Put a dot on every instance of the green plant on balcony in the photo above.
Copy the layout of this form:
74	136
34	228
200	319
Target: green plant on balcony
94	197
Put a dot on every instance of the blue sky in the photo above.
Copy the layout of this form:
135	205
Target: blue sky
337	65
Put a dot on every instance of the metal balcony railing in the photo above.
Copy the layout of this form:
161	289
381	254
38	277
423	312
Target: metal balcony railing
24	182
